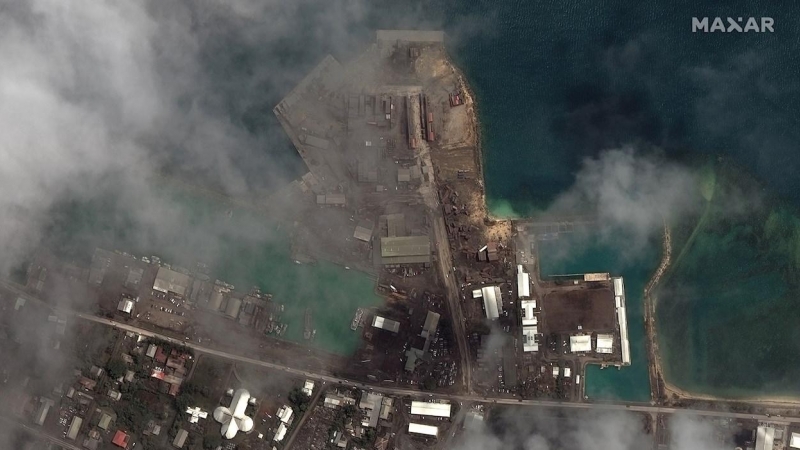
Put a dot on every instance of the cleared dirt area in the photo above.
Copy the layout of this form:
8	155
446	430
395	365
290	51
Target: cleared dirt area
591	309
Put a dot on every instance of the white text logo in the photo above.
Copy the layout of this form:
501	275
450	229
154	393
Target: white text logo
733	25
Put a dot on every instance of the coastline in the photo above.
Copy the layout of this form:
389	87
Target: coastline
661	389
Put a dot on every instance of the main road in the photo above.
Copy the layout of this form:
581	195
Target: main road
399	391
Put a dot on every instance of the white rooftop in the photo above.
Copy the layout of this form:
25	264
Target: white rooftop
386	324
605	343
794	441
423	429
523	283
528	317
579	344
765	437
492	300
279	435
233	418
529	343
430	409
125	305
285	413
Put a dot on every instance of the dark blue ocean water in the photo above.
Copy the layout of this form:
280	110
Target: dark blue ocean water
558	82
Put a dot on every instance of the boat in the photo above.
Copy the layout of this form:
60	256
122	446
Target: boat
357	319
307	331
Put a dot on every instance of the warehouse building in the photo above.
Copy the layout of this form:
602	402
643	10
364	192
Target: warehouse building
180	438
765	438
74	427
363	230
527	308
405	250
430	409
331	199
44	407
233	307
167	280
430	325
523	283
125	305
580	343
529	343
492	301
418	428
622	320
794	441
605	343
386	324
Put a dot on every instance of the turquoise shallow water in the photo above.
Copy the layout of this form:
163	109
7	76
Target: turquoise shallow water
245	250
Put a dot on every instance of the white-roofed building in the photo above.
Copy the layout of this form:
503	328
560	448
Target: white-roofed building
285	413
528	317
386	324
167	280
492	301
605	343
567	372
418	428
233	418
195	414
580	343
794	440
619	287
430	409
529	343
765	438
280	433
523	283
308	387
125	305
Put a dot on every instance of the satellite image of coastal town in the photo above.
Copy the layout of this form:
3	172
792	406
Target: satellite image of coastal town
399	225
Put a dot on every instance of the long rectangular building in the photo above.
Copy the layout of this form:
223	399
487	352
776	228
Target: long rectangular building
523	283
419	428
405	250
622	319
74	427
168	280
386	324
430	409
492	301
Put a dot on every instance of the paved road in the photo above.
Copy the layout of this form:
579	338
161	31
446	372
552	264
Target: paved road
399	391
309	410
452	293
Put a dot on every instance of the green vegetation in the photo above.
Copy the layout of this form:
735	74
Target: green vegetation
134	415
366	439
116	368
212	441
299	400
